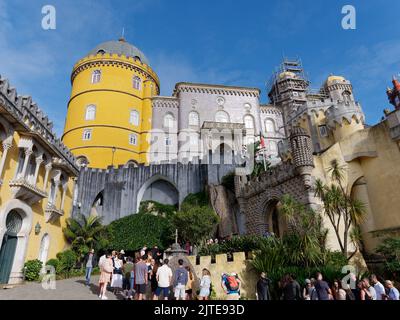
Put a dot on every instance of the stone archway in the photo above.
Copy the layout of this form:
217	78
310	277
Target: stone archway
273	222
97	206
160	189
16	207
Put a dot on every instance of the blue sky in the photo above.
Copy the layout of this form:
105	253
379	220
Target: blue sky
231	42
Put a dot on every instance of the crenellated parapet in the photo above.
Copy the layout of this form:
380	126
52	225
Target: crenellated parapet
33	120
215	89
341	111
165	102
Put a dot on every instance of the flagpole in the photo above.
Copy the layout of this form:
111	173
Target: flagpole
263	150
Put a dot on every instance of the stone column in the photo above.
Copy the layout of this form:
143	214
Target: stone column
28	154
6	147
46	177
38	163
56	187
64	187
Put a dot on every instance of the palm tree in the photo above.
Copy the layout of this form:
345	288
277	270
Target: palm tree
343	211
84	233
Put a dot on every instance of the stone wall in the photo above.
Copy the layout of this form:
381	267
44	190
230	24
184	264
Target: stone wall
240	265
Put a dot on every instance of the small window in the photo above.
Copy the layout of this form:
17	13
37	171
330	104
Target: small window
221	116
194	119
269	125
168	141
96	76
169	121
134	118
87	134
90	112
136	82
133	139
249	122
323	131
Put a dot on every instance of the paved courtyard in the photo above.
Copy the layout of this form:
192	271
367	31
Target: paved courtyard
70	289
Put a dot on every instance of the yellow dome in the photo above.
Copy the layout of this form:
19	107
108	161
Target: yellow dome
333	78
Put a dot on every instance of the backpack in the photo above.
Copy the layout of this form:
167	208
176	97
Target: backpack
232	283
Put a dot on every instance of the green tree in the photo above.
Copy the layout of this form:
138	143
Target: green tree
343	212
85	233
195	223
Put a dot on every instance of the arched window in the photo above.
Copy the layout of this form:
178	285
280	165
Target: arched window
82	161
248	122
133	139
136	82
346	97
90	112
221	116
194	119
44	248
87	134
134	118
132	163
269	125
169	121
96	76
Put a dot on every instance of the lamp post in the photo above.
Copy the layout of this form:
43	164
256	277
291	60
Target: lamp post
113	153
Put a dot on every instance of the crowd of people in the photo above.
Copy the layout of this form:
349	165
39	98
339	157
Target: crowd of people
149	276
318	289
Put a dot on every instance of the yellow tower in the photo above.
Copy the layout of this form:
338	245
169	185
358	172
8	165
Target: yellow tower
109	113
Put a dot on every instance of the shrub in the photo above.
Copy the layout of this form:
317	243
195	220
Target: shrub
228	181
236	244
67	261
157	209
32	270
390	249
195	199
54	263
134	231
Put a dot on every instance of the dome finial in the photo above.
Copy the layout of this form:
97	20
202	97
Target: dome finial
122	39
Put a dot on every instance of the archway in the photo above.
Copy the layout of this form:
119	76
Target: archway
159	189
273	222
97	206
223	154
15	226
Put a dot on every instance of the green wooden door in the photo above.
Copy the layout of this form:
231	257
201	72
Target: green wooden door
7	254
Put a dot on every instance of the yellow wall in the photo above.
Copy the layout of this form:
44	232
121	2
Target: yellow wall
114	98
57	240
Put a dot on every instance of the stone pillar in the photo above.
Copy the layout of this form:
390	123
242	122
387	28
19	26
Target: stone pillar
28	154
64	187
39	161
6	147
46	177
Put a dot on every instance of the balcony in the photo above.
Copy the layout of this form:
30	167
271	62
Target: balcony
25	191
52	213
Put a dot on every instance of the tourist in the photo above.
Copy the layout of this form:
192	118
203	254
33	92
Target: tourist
129	278
337	291
187	248
105	276
291	288
194	250
154	265
90	263
231	285
350	296
393	293
370	293
379	288
143	251
141	279
189	284
309	292
205	285
180	280
262	287
122	256
322	288
155	252
117	278
164	280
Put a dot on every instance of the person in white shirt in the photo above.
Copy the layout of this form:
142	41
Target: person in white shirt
379	288
164	279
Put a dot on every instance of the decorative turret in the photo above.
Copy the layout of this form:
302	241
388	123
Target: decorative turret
302	154
394	94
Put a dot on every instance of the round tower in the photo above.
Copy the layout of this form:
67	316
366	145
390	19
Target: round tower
109	113
345	115
302	154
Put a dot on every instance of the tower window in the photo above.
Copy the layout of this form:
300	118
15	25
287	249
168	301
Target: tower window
134	118
133	139
194	119
87	134
248	122
136	82
269	125
96	76
168	141
323	131
169	121
90	112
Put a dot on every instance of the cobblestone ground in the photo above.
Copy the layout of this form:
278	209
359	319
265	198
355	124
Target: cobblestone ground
70	289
